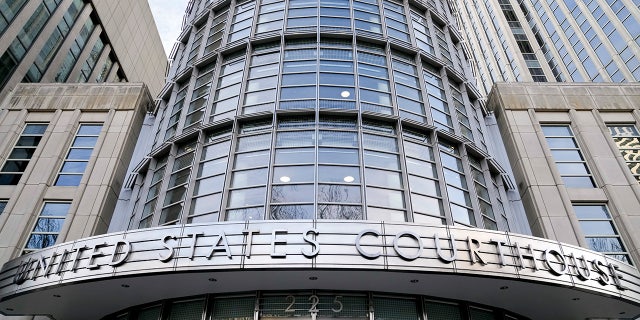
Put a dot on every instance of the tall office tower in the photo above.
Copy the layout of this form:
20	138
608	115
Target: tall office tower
79	41
321	160
548	41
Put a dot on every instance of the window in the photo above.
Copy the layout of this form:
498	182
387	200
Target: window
457	189
48	226
79	153
3	204
568	157
627	139
600	232
178	183
22	152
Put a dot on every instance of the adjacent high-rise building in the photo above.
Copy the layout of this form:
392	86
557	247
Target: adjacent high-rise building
79	41
550	40
330	159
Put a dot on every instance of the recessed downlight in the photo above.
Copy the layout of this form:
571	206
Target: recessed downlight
349	179
285	179
345	94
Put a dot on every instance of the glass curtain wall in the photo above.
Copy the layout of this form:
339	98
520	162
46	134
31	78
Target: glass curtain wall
302	110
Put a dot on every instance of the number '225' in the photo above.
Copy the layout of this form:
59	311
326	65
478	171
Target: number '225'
337	305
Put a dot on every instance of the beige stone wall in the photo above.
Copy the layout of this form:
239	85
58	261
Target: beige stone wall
520	108
135	39
121	109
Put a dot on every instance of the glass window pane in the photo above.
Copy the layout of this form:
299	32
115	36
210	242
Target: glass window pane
210	203
338	174
383	178
339	193
79	154
209	185
572	168
293	174
295	138
39	241
74	166
249	177
90	129
212	167
55	209
251	159
295	155
341	212
558	131
48	225
462	215
566	155
245	214
337	138
578	182
338	156
247	197
561	143
605	244
292	193
424	186
428	205
385	198
292	212
591	212
383	214
28	141
381	160
597	227
68	180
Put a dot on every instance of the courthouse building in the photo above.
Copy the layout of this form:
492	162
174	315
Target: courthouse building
330	159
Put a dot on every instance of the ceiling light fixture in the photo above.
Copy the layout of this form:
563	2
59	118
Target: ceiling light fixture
285	179
349	179
345	94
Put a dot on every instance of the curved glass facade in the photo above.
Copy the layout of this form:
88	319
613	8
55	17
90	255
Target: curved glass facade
311	305
302	110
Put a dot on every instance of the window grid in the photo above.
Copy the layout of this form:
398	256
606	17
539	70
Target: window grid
76	49
225	100
247	190
176	111
568	157
437	99
407	88
199	96
600	231
18	48
18	160
482	193
422	173
149	208
178	183
262	82
457	189
47	226
627	139
240	28
210	180
217	30
79	154
54	42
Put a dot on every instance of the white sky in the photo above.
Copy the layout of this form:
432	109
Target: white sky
168	16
